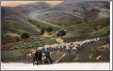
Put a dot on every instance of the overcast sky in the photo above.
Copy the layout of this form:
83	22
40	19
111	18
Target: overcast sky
16	3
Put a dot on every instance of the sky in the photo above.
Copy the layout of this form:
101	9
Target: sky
16	3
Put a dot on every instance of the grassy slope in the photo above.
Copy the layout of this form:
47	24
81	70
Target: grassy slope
74	29
81	30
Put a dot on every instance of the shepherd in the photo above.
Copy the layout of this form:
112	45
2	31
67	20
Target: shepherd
37	59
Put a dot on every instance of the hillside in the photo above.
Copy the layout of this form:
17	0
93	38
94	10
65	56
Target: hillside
38	24
69	14
14	21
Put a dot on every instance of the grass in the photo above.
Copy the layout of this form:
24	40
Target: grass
80	30
85	55
14	55
41	25
17	27
35	42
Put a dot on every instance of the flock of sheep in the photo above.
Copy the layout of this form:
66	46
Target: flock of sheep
68	47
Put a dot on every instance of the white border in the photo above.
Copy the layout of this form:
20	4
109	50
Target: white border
110	35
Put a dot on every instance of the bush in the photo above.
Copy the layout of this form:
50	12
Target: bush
49	29
42	31
25	35
61	33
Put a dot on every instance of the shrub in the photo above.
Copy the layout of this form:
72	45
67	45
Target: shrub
42	31
61	33
25	35
49	29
